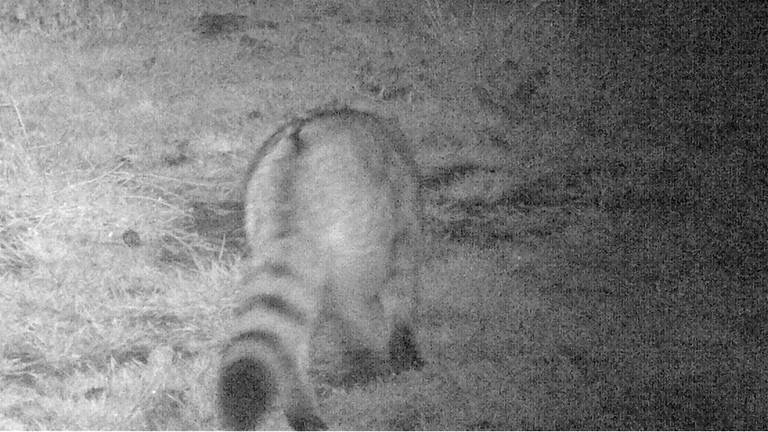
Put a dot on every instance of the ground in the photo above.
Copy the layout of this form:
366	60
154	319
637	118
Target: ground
594	184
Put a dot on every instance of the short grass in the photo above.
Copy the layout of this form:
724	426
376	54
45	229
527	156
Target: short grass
596	250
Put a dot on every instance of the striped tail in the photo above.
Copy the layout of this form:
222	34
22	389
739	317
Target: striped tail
247	385
265	360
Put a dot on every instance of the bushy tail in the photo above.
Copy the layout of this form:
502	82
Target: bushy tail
248	387
264	361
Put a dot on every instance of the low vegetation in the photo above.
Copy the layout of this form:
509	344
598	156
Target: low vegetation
595	186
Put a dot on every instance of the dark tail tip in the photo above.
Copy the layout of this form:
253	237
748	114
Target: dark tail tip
402	350
307	422
247	389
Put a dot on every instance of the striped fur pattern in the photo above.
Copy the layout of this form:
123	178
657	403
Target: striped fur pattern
332	221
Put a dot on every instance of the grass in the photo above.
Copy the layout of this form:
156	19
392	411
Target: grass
595	207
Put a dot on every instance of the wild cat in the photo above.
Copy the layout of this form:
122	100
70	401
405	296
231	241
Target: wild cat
332	219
